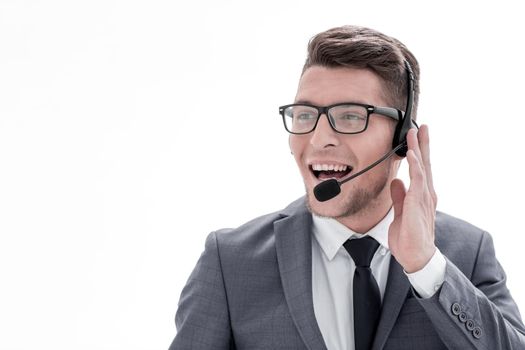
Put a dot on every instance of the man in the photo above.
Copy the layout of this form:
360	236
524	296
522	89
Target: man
374	267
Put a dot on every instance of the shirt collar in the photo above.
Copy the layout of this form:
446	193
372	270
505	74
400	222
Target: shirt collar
331	234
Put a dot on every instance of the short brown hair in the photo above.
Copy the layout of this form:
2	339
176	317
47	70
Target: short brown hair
360	47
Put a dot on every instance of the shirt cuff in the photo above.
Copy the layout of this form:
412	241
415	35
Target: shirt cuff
429	279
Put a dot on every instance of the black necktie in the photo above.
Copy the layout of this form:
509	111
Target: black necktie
367	299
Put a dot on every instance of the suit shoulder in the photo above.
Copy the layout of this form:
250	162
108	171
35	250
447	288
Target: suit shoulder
447	224
258	230
253	227
459	240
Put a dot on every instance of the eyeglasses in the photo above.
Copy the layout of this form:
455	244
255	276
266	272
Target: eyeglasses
344	118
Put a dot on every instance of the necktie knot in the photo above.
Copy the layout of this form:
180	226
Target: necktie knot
361	250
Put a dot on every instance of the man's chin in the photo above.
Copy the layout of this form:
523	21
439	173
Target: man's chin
332	208
348	203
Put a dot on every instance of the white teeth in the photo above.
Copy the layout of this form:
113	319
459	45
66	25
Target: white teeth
325	167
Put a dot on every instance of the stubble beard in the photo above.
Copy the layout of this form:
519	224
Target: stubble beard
360	200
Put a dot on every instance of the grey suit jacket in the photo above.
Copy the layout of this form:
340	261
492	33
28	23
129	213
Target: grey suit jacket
252	289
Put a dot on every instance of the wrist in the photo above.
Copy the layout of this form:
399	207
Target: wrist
420	261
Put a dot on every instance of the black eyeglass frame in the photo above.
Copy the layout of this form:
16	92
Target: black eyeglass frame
390	112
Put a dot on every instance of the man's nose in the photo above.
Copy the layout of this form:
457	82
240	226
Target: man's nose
324	135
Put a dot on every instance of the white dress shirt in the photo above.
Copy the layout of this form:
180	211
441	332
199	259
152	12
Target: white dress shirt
333	271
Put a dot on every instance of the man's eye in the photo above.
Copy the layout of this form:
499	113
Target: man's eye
352	117
305	116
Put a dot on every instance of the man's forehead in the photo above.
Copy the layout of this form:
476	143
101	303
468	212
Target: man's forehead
323	85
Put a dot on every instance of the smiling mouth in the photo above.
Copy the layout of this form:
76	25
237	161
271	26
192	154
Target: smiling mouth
324	171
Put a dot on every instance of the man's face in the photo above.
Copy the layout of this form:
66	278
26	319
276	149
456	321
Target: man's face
323	86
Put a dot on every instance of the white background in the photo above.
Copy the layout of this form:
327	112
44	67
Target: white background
127	135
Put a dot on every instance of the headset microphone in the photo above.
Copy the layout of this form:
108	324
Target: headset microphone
328	189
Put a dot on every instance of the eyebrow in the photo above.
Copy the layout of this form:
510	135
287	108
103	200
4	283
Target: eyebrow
304	102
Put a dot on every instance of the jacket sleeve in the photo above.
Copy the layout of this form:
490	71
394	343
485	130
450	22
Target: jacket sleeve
202	317
476	313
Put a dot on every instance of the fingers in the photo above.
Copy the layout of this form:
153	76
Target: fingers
419	144
416	171
413	142
424	145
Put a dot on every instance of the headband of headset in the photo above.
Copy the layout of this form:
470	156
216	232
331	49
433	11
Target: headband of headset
405	121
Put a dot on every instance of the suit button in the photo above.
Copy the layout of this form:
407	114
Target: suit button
456	309
476	332
463	317
470	325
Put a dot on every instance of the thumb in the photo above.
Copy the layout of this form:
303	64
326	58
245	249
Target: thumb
398	192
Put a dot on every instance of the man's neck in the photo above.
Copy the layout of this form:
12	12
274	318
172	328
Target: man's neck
366	219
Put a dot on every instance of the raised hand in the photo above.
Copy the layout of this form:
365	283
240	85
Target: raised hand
411	234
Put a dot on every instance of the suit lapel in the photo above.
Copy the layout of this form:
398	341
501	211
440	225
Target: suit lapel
294	255
396	291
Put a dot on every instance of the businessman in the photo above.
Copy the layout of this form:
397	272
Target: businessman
361	261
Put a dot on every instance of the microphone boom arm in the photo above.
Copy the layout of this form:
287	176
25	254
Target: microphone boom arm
386	156
330	188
